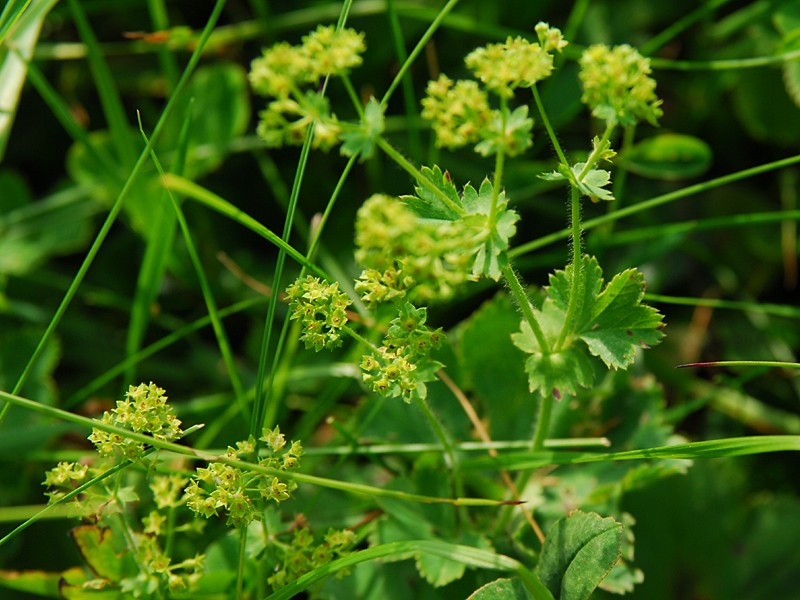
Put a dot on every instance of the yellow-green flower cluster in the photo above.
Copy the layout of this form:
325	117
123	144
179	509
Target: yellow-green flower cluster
159	570
144	410
283	70
304	554
64	478
513	64
459	111
403	364
407	257
322	310
223	487
617	85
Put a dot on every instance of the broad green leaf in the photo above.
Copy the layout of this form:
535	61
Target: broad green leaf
764	108
611	321
578	553
620	323
623	577
218	98
86	169
491	258
486	233
106	555
220	113
411	522
668	156
558	373
502	589
592	184
362	140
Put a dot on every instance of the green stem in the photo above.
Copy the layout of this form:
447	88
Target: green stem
550	131
359	338
240	566
542	422
418	176
575	303
525	306
647	205
181	450
499	164
444	440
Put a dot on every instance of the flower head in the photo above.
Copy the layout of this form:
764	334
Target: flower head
321	308
458	110
331	52
277	71
144	410
617	85
510	65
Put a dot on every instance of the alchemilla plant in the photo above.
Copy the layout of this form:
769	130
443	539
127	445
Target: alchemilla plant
448	383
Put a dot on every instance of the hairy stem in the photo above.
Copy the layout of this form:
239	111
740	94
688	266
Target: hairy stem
525	306
576	288
550	132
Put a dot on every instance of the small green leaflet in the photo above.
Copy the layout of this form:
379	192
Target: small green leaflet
513	139
610	323
592	184
362	140
487	239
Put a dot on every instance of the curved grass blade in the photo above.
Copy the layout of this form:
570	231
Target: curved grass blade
723	448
